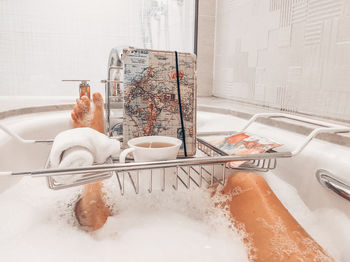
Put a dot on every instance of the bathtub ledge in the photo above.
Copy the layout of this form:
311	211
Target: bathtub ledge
206	104
241	110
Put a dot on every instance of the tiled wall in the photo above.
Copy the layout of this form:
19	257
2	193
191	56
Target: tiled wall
205	55
292	55
42	42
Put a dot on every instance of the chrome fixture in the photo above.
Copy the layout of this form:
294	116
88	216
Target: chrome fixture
84	87
328	180
115	66
114	92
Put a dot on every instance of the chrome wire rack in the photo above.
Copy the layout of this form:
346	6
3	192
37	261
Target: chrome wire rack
184	171
208	167
261	165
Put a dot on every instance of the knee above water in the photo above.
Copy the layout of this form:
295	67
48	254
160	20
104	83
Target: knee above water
245	179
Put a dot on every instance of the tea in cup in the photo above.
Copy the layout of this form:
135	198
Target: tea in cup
152	148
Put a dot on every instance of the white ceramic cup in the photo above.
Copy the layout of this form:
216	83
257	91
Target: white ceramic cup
145	154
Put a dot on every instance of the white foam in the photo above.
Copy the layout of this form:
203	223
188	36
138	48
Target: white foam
328	227
37	224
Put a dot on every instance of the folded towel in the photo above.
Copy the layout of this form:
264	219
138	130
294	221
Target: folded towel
82	147
76	157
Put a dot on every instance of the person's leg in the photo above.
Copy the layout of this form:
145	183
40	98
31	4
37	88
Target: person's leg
274	233
91	210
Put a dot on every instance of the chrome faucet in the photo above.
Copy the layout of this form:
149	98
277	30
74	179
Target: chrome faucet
84	87
114	75
114	92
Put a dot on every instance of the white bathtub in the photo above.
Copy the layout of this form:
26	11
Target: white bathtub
330	212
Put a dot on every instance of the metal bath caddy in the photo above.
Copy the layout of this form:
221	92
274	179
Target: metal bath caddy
183	172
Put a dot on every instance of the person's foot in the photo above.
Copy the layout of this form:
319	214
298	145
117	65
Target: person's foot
90	210
97	121
80	113
97	99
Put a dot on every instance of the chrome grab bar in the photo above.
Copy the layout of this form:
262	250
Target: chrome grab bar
328	180
134	166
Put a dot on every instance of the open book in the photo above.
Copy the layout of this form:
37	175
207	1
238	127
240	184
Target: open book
241	144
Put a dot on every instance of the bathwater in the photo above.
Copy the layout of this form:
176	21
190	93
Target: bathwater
37	224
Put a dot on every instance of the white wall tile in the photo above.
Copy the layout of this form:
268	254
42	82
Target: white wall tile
287	54
42	42
205	51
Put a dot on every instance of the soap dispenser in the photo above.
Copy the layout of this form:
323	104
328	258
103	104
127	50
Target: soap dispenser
84	87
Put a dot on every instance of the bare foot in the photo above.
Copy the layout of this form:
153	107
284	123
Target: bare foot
90	210
80	113
97	121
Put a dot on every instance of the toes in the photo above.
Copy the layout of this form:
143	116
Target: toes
80	112
97	99
74	116
85	103
81	108
77	110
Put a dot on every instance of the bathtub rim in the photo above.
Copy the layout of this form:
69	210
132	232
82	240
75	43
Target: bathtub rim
58	109
211	105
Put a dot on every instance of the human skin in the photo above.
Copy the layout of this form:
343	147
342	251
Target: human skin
272	231
91	210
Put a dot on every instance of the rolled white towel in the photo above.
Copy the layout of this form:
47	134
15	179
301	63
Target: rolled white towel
76	157
82	147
